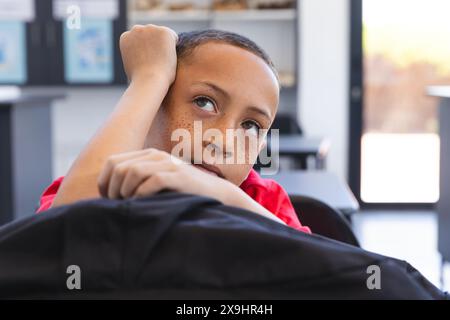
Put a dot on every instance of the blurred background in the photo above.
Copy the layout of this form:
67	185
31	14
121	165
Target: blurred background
362	114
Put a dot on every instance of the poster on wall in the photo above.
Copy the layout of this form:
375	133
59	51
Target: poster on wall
88	52
88	39
13	68
14	14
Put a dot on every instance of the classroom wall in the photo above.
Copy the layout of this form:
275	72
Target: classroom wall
75	120
324	72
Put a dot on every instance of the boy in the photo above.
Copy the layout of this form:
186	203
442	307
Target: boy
220	79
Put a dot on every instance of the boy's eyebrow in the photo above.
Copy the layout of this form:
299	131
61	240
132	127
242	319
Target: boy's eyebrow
214	87
227	96
261	112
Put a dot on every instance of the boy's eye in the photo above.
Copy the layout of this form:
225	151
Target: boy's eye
205	104
253	126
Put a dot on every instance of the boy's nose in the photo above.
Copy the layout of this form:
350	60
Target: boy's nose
217	149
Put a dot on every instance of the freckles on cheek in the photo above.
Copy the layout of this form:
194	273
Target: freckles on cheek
182	124
180	117
177	116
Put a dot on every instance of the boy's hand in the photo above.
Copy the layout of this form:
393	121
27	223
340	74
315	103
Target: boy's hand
149	50
146	172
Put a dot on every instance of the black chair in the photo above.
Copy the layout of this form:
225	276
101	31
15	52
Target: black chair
287	124
323	219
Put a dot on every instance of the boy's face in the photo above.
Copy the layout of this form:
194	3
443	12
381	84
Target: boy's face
222	87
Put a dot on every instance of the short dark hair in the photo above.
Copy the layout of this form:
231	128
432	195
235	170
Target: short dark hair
188	41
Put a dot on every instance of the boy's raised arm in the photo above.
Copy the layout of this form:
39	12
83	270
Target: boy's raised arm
150	61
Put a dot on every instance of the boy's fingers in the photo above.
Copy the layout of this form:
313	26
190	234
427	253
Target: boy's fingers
157	182
105	173
141	171
114	161
173	32
120	171
134	177
176	36
118	175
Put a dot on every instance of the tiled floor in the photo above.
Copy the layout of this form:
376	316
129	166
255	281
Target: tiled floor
410	236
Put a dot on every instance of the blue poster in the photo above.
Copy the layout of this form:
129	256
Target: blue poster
88	52
13	62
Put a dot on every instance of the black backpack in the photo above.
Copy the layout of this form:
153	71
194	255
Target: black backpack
181	246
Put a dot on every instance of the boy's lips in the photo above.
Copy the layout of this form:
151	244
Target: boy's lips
209	169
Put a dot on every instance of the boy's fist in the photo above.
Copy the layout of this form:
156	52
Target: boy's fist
149	50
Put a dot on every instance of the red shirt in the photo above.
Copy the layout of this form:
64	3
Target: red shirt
266	192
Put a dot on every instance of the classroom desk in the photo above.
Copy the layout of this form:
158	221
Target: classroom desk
443	205
300	148
321	185
25	152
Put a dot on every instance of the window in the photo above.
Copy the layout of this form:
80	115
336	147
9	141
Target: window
406	48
